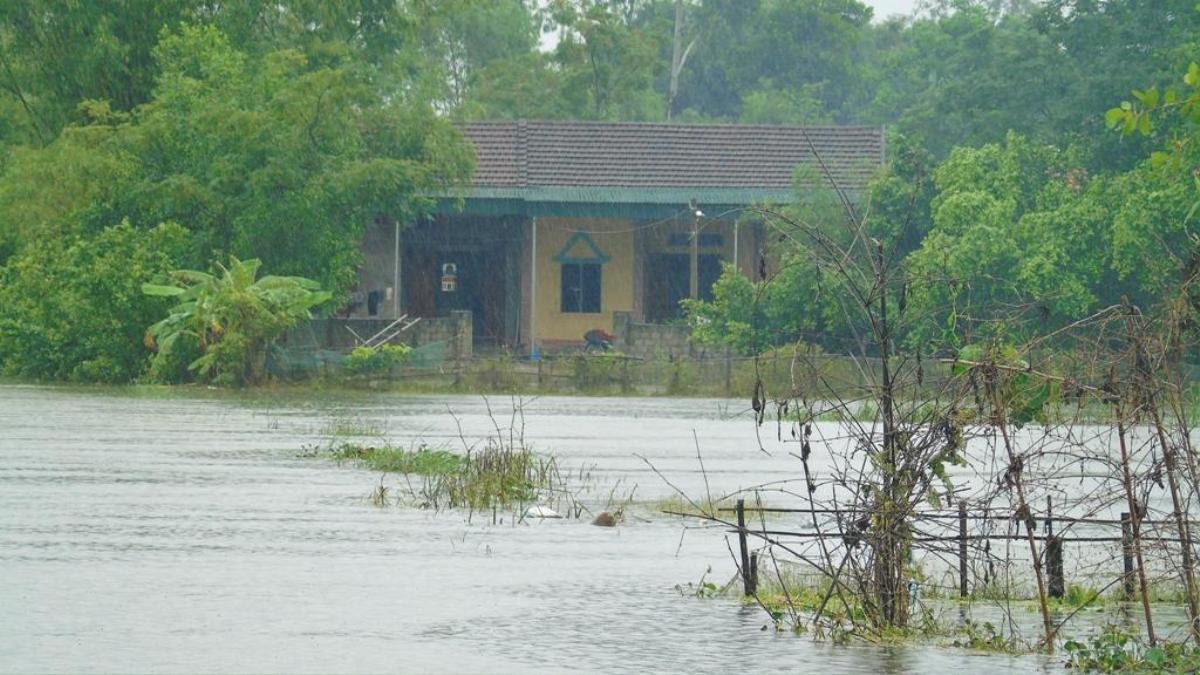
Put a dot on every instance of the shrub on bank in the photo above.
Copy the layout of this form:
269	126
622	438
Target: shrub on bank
376	360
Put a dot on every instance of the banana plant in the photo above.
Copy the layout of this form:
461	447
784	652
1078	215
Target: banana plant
231	317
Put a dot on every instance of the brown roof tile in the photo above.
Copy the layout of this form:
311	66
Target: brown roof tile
648	155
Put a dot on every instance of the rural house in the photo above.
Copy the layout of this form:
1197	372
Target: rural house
570	226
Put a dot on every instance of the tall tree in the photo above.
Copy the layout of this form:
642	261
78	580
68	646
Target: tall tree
809	48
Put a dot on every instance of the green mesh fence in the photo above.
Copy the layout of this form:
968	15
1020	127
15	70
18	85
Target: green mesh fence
302	354
429	356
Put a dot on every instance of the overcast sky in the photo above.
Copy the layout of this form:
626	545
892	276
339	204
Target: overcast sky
883	9
886	8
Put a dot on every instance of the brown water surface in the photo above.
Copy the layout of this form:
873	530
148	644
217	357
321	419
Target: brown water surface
185	532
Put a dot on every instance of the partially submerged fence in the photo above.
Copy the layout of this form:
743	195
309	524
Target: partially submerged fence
1056	545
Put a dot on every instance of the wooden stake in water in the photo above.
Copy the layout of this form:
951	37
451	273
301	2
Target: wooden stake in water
1054	556
747	581
962	549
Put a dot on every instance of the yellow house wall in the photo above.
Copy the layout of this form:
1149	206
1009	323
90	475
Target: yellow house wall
615	239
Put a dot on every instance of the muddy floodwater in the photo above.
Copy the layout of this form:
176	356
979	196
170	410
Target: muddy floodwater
189	532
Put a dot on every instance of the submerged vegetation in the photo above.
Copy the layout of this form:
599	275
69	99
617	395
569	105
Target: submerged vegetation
423	460
491	477
1116	649
497	473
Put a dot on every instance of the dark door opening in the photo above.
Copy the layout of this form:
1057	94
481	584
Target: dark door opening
668	280
476	284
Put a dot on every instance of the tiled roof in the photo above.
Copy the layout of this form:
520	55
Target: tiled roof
539	154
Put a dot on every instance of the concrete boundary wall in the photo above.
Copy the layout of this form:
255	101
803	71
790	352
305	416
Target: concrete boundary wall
456	330
653	341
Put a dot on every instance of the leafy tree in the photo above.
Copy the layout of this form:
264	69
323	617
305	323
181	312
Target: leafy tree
1155	232
230	318
463	38
523	87
1013	226
73	309
773	105
794	304
807	48
608	61
55	56
1106	49
962	78
275	156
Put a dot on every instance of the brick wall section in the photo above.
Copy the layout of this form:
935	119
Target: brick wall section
656	341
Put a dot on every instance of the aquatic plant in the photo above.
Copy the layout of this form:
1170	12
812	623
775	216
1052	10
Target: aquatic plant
424	460
498	472
1116	649
349	426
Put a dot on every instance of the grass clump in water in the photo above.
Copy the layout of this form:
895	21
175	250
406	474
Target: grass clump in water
424	460
495	476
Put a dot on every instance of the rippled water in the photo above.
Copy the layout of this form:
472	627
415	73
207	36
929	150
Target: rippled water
186	532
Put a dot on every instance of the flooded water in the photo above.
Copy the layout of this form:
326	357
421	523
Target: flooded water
143	531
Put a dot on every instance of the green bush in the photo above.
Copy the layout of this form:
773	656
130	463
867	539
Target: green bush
423	461
754	316
684	376
73	309
376	361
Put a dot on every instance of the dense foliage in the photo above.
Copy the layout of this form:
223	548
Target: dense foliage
280	130
73	309
279	139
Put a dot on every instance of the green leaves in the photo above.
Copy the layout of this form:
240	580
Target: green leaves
1029	403
229	319
1148	98
161	291
1129	118
73	309
276	154
1114	117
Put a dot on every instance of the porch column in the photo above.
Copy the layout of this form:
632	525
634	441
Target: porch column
533	348
396	290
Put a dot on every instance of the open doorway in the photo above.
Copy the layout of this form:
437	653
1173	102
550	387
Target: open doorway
465	263
440	280
668	281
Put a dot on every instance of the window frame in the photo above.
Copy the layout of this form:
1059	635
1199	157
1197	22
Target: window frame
582	289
